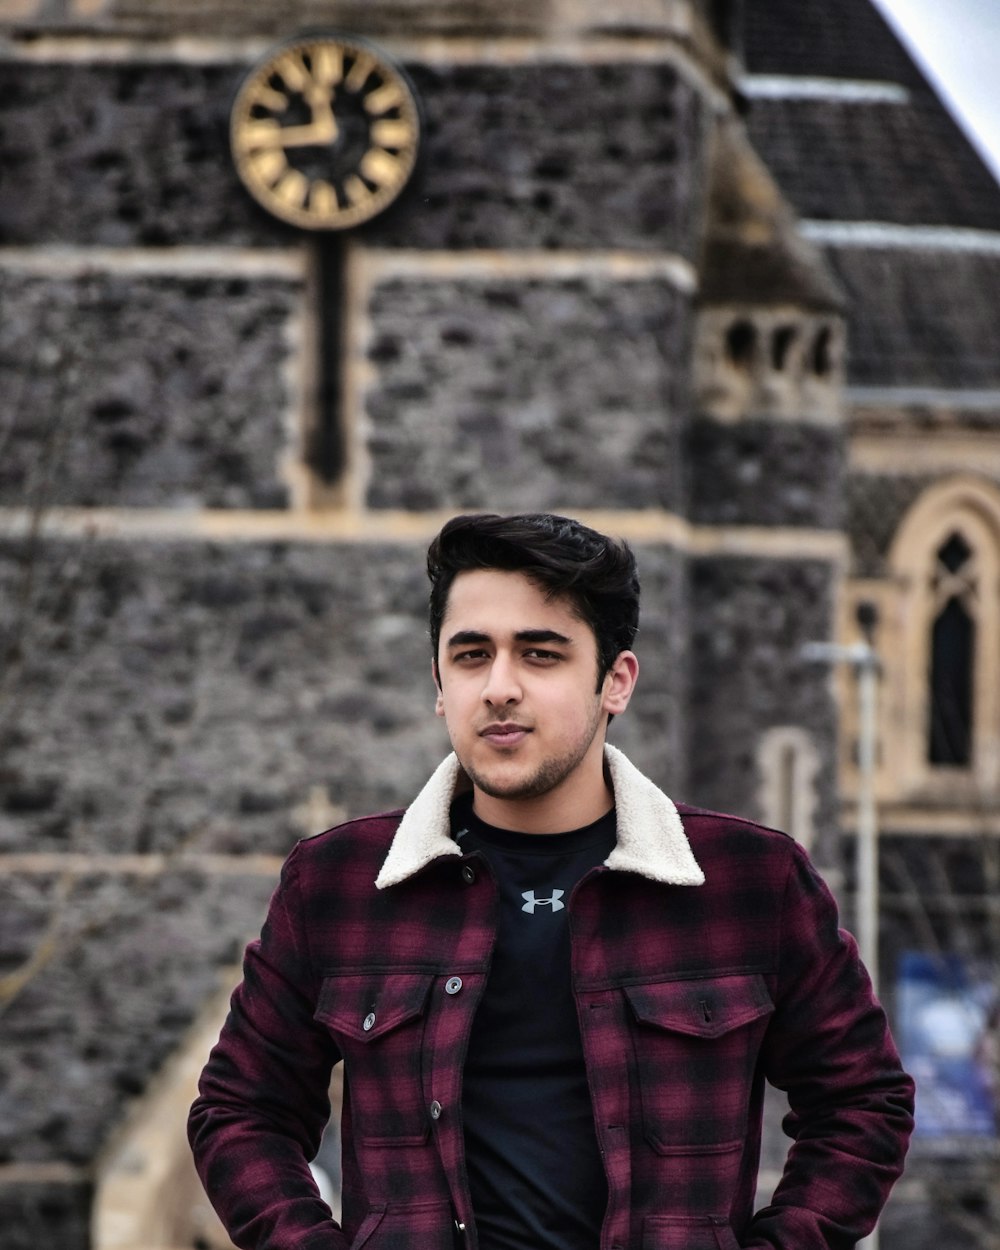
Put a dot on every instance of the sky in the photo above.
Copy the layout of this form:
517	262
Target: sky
957	44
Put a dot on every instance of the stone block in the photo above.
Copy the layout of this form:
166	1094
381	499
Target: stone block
509	394
169	697
146	390
515	156
750	618
181	694
555	156
766	473
123	155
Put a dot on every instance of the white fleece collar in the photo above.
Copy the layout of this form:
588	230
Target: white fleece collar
651	838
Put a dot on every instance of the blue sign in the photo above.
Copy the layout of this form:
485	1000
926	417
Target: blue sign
946	1027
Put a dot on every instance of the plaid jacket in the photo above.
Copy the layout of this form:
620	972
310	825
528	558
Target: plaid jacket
706	958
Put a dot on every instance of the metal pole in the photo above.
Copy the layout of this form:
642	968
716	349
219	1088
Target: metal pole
867	831
863	658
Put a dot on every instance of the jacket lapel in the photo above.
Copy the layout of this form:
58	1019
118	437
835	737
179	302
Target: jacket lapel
651	837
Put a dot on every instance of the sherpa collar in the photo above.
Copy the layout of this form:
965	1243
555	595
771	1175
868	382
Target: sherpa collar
651	838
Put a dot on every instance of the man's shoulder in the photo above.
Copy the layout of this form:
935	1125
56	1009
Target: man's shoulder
375	830
704	826
343	861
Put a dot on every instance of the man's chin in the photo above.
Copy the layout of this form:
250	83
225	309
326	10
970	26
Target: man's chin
513	786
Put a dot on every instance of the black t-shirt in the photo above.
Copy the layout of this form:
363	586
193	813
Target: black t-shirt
534	1166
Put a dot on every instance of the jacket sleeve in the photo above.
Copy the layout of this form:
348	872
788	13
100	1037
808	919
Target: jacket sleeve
263	1096
851	1104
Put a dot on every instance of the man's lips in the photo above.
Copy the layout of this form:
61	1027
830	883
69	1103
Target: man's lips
506	734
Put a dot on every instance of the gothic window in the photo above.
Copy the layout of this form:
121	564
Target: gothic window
952	655
940	694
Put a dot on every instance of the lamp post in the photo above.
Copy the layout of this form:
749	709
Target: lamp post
863	659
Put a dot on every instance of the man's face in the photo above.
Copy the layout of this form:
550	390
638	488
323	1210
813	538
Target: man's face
518	689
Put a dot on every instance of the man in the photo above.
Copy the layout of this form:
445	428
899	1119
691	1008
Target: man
556	994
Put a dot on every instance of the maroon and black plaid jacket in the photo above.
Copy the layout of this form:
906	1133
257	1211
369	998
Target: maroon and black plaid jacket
706	958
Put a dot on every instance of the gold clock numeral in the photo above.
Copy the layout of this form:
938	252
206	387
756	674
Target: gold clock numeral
383	99
379	167
292	188
328	64
269	164
391	134
269	98
358	76
259	134
292	69
323	199
355	190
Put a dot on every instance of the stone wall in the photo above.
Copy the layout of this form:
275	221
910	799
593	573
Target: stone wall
500	392
136	154
766	473
193	414
752	618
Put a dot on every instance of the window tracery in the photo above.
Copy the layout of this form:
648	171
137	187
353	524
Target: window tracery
940	646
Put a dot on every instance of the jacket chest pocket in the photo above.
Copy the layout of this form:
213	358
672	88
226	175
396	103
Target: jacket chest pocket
696	1045
378	1021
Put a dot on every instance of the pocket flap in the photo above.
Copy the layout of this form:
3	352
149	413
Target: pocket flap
708	1007
365	1006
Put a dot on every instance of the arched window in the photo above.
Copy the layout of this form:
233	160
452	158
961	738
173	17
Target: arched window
952	655
940	645
788	764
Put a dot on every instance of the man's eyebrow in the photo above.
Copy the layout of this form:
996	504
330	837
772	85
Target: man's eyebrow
465	636
541	635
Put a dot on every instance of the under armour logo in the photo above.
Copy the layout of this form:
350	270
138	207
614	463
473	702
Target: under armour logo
531	902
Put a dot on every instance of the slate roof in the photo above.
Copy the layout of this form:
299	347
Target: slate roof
921	318
907	163
920	313
845	39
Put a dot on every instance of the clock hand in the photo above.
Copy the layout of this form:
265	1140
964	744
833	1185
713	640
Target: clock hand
321	103
303	136
322	129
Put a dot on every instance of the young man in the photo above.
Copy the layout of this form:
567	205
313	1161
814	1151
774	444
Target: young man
556	995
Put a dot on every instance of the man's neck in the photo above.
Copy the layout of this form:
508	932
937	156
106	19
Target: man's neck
556	811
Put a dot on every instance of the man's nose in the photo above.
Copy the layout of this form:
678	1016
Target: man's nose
502	685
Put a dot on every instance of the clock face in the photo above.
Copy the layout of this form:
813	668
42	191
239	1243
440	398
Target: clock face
324	132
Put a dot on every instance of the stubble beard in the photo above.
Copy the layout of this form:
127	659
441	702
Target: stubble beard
549	774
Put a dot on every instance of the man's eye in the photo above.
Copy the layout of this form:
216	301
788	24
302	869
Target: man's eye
462	656
536	653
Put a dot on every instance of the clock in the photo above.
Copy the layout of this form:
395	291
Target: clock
324	131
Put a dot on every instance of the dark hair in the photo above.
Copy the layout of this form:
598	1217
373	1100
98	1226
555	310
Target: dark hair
595	573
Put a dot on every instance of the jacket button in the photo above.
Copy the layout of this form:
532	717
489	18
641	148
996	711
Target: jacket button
435	1110
453	985
369	1021
468	874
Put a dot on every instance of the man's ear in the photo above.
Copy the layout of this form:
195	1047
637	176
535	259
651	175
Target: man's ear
619	682
439	701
